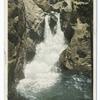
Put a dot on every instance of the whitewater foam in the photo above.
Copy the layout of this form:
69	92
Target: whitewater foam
40	73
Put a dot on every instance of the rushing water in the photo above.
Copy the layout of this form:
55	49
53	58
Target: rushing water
43	81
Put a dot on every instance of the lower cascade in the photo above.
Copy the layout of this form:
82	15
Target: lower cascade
41	73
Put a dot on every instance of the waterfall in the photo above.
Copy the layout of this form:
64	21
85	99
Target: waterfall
41	73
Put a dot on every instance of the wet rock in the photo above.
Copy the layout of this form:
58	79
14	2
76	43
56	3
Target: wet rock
43	4
69	32
65	59
53	23
34	19
30	49
80	43
79	55
16	34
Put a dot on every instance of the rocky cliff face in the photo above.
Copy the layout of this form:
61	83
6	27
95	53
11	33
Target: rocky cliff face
78	56
16	36
26	28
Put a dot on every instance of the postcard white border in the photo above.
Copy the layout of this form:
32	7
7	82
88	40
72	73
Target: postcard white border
5	31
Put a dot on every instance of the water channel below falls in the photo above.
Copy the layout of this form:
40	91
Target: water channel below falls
42	79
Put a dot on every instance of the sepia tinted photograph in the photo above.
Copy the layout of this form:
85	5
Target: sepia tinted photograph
50	50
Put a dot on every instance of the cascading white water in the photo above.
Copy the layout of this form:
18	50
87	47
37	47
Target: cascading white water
41	73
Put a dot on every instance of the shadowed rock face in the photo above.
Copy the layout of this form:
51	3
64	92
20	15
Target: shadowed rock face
16	33
79	55
16	27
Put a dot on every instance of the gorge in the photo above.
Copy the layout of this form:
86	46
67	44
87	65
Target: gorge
50	50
